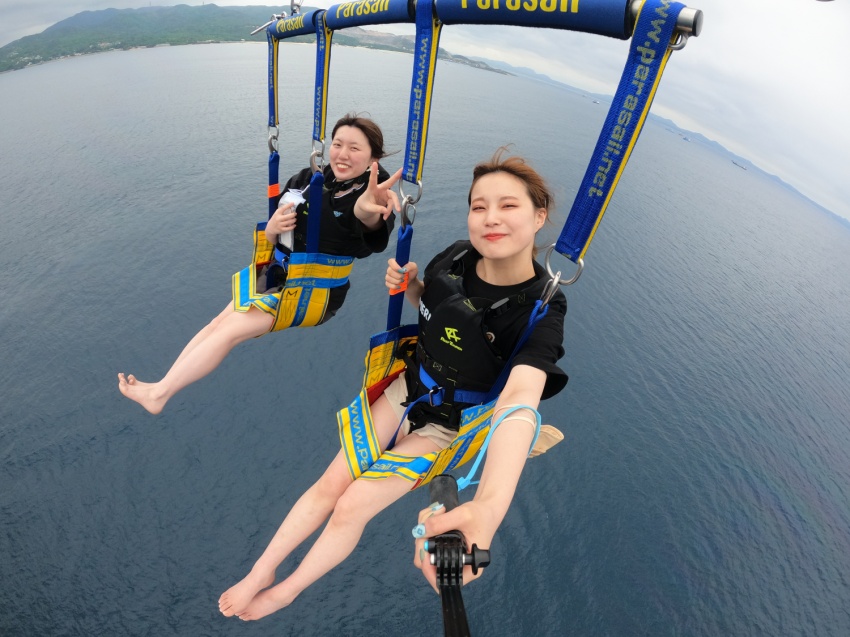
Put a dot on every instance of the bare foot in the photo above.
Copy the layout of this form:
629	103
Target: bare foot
146	394
237	598
265	603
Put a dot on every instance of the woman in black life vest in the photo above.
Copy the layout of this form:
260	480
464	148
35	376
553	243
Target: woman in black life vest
356	220
508	204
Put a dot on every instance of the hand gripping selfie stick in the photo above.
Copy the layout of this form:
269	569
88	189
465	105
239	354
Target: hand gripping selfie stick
449	556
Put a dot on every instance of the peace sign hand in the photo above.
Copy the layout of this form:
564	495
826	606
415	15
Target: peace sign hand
379	200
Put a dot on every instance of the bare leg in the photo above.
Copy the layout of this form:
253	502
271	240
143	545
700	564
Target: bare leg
200	336
201	356
308	514
360	502
208	329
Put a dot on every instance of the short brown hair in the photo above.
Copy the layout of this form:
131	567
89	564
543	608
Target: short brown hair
370	129
538	190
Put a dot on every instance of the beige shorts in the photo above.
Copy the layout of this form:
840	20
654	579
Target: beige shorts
396	393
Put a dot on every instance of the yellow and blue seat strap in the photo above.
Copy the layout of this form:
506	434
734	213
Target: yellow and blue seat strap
648	55
316	270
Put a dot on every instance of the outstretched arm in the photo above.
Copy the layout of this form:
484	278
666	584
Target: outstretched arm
378	202
479	519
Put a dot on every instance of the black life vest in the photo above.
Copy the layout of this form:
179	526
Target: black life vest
455	347
340	233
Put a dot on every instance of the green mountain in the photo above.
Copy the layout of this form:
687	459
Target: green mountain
110	29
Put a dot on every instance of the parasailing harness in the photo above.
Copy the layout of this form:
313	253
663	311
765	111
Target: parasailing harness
656	28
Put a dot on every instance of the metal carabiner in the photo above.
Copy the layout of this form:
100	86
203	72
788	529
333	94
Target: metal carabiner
273	133
318	152
407	219
550	288
579	263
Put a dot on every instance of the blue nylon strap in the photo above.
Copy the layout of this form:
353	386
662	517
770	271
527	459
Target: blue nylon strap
281	258
396	304
464	482
323	62
648	54
310	23
435	398
460	395
274	178
421	399
537	314
274	157
422	84
402	256
314	211
272	79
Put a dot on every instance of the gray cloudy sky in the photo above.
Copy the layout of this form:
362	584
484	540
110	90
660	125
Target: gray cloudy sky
767	79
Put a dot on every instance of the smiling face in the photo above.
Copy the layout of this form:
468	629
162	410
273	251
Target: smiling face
350	153
503	220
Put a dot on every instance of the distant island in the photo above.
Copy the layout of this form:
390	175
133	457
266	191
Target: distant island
116	29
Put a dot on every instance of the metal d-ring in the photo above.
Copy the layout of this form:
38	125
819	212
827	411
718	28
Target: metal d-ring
681	41
579	263
408	198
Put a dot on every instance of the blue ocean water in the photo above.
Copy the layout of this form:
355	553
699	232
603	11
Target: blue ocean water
704	484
